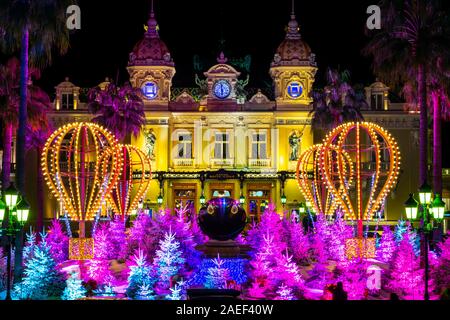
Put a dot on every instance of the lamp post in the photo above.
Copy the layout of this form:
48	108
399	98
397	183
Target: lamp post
242	200
16	214
429	209
202	199
283	199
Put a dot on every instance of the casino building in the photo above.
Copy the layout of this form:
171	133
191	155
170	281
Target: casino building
224	142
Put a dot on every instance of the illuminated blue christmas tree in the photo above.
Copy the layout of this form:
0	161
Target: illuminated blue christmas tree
400	230
42	279
217	276
30	243
176	293
168	260
74	289
140	280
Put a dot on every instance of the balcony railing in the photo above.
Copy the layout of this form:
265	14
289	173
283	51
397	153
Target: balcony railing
222	162
259	163
183	163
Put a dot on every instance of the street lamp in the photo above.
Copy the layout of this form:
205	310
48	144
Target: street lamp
429	209
302	208
438	207
11	195
15	214
411	208
160	199
425	192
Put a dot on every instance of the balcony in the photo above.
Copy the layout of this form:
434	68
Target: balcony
222	163
183	163
259	163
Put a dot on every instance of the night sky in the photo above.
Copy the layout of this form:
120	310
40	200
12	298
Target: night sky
335	30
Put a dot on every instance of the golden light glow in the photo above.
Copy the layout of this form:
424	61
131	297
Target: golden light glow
81	248
360	248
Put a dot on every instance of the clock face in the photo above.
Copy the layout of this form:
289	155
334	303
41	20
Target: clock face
149	90
222	89
295	89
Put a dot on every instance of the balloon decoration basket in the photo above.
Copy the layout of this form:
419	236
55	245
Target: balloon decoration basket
360	248
81	248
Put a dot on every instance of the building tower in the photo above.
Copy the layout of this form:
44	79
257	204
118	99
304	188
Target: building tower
151	67
293	69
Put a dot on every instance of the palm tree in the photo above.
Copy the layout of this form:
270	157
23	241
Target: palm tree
38	103
36	29
440	92
412	34
36	139
337	103
119	109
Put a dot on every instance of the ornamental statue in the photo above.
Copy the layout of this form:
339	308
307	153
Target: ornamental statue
150	140
294	143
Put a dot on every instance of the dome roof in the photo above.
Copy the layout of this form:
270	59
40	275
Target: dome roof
151	50
293	51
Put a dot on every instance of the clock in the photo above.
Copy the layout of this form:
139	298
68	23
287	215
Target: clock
222	89
149	90
295	89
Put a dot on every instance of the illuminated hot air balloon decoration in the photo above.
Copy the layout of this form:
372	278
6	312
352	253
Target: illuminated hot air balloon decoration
80	174
133	182
376	159
311	180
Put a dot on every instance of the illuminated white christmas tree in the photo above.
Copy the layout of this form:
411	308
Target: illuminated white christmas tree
218	275
168	260
74	289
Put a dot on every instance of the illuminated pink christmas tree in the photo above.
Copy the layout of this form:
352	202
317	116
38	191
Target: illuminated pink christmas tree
143	235
117	239
354	279
297	240
440	273
388	246
406	275
272	224
98	267
58	241
337	235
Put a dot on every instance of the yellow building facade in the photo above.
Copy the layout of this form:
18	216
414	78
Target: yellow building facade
228	144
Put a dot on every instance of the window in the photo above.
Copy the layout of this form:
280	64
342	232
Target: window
67	101
376	102
219	190
259	146
222	146
184	146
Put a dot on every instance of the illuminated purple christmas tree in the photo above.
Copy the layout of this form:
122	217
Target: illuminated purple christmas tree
98	267
406	275
297	240
440	273
58	241
388	246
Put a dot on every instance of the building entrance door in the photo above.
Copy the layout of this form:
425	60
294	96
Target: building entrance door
184	196
258	198
218	190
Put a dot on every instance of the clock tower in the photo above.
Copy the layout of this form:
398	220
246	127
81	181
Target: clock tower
221	80
293	70
151	67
